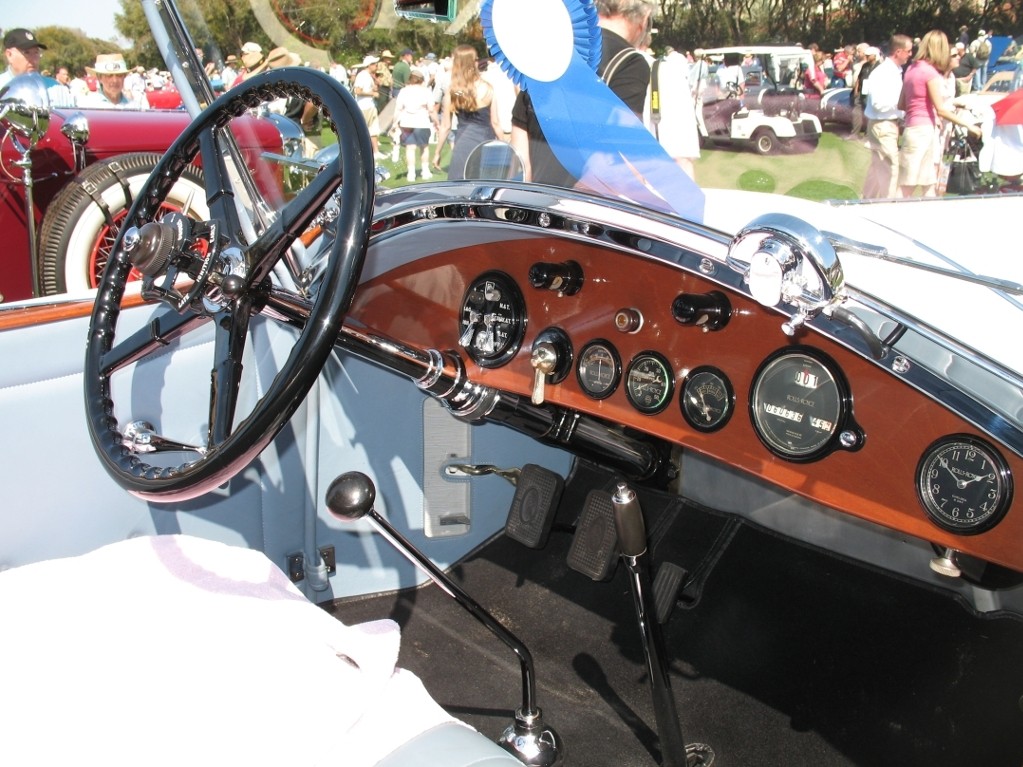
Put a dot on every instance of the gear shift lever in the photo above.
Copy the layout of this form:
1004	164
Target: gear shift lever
633	546
350	497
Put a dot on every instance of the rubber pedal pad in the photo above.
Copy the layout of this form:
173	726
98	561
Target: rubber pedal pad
537	494
667	584
594	548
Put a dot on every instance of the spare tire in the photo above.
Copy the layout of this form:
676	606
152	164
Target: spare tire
82	222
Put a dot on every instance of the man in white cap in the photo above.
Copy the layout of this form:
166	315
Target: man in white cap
366	92
110	72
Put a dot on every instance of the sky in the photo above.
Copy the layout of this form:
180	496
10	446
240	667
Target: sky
95	17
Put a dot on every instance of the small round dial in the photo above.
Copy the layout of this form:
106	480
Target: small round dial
964	484
599	369
649	382
493	320
707	399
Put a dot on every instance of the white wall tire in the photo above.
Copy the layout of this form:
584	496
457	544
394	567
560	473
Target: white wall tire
75	236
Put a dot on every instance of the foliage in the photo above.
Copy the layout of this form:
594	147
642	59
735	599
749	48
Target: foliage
70	48
219	27
830	23
345	27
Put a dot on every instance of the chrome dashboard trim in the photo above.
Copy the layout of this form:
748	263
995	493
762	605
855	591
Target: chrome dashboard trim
986	394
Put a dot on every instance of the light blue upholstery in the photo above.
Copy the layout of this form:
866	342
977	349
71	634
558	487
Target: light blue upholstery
449	745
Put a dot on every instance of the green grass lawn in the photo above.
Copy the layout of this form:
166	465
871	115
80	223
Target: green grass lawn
835	170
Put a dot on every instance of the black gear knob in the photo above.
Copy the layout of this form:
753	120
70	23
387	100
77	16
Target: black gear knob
350	497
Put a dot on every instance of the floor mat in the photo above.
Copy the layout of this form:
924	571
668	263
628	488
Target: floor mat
789	657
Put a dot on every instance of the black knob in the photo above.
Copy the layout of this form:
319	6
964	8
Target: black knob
711	311
566	278
351	496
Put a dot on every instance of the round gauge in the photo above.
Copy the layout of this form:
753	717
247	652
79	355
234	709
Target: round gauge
798	403
649	382
964	484
493	320
599	369
707	399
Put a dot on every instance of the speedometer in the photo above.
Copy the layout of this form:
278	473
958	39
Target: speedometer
800	404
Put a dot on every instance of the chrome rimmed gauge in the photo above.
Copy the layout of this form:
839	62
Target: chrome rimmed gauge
493	320
801	407
707	400
964	484
599	369
649	382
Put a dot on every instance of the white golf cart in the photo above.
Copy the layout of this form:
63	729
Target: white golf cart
770	113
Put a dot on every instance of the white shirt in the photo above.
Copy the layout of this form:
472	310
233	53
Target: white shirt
883	88
676	128
364	82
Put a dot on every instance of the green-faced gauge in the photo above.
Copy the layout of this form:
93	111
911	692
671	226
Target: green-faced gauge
649	382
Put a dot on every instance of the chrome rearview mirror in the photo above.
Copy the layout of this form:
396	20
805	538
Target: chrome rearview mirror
25	110
434	10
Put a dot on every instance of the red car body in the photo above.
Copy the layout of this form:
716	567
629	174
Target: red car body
111	133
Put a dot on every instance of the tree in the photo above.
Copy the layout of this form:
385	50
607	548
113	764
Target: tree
70	48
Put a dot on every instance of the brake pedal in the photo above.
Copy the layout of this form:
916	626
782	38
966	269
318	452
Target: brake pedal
537	493
667	585
594	549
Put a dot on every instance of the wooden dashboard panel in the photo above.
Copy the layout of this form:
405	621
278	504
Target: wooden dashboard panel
420	303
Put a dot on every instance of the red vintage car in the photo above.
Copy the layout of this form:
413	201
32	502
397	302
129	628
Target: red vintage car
77	203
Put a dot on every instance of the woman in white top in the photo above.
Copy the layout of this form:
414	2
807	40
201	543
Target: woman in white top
412	112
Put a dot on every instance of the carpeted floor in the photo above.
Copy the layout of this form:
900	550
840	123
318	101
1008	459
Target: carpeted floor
787	657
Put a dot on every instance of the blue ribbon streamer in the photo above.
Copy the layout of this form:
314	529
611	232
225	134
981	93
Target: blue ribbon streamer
591	131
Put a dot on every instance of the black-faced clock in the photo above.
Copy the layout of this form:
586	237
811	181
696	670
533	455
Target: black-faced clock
964	484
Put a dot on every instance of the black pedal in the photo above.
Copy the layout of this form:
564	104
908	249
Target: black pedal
594	549
537	493
667	585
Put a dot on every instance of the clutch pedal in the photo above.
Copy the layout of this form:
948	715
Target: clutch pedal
594	549
537	493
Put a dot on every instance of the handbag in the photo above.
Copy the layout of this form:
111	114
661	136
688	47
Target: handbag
963	176
964	170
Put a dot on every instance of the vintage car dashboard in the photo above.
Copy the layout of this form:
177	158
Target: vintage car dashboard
650	331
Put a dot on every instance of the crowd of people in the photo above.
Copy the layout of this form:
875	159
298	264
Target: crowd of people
902	101
905	104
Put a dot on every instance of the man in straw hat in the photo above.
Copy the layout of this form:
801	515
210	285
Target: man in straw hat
110	71
366	92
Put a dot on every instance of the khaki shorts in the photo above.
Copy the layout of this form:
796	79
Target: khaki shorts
916	156
372	118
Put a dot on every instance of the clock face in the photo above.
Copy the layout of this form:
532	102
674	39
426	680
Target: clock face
964	484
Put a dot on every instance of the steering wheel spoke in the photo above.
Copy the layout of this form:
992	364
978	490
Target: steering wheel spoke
292	222
155	336
232	329
232	282
220	197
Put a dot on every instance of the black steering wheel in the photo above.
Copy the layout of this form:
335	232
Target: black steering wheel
217	273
